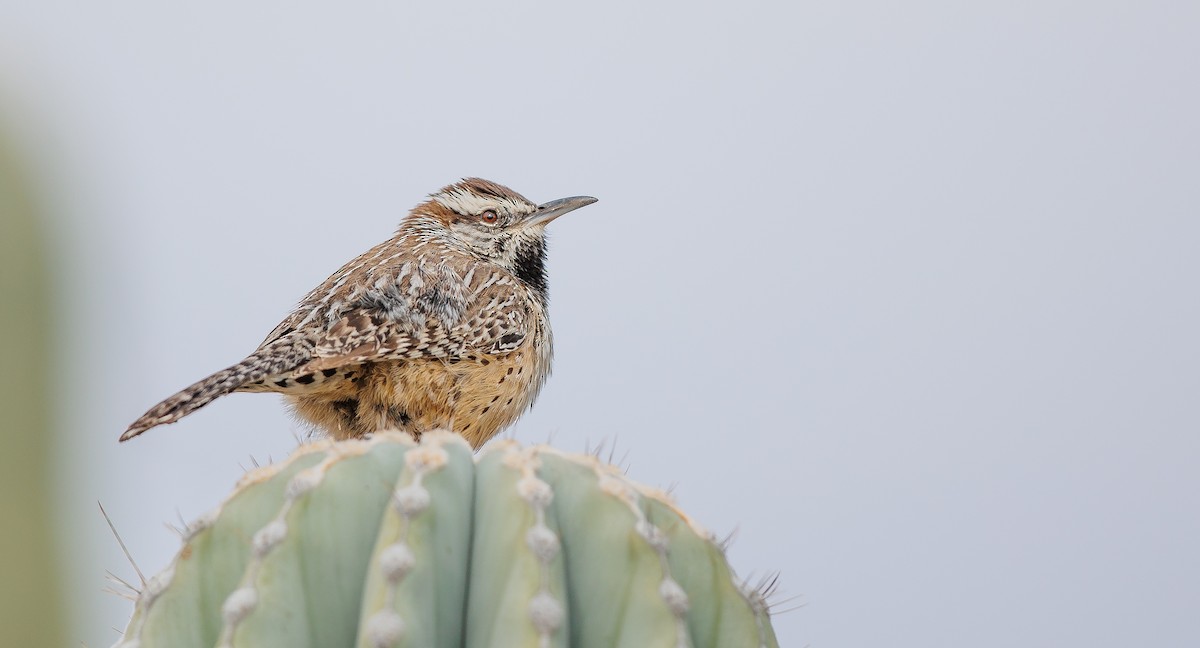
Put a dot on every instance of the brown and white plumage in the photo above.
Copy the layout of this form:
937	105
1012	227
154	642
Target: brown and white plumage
442	326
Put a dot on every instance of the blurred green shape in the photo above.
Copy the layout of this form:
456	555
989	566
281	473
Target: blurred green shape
30	606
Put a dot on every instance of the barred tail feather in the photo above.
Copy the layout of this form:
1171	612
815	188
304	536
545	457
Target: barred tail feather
280	356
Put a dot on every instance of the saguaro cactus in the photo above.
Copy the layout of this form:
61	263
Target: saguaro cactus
383	542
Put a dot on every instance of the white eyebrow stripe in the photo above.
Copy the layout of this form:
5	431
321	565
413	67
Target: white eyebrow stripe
465	202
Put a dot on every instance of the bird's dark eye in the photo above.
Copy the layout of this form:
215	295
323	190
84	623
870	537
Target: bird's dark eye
489	217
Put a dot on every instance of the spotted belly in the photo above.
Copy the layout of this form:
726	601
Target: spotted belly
476	396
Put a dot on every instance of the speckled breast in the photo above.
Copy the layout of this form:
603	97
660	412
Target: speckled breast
477	395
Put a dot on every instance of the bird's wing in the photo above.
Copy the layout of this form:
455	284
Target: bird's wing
324	304
437	314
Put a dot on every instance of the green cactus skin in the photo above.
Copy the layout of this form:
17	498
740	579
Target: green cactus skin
386	543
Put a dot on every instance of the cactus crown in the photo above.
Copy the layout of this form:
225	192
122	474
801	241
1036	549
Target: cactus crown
383	542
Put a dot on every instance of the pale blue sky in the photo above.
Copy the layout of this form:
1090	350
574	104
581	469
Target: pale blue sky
906	293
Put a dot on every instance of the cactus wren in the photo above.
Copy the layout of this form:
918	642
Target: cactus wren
442	326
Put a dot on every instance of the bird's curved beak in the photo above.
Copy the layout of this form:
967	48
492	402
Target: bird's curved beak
555	208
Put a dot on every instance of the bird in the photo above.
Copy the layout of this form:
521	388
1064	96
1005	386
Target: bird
442	326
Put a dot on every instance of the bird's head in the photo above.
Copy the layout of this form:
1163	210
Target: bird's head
492	221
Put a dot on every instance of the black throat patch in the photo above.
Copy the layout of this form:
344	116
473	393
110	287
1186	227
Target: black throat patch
530	266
